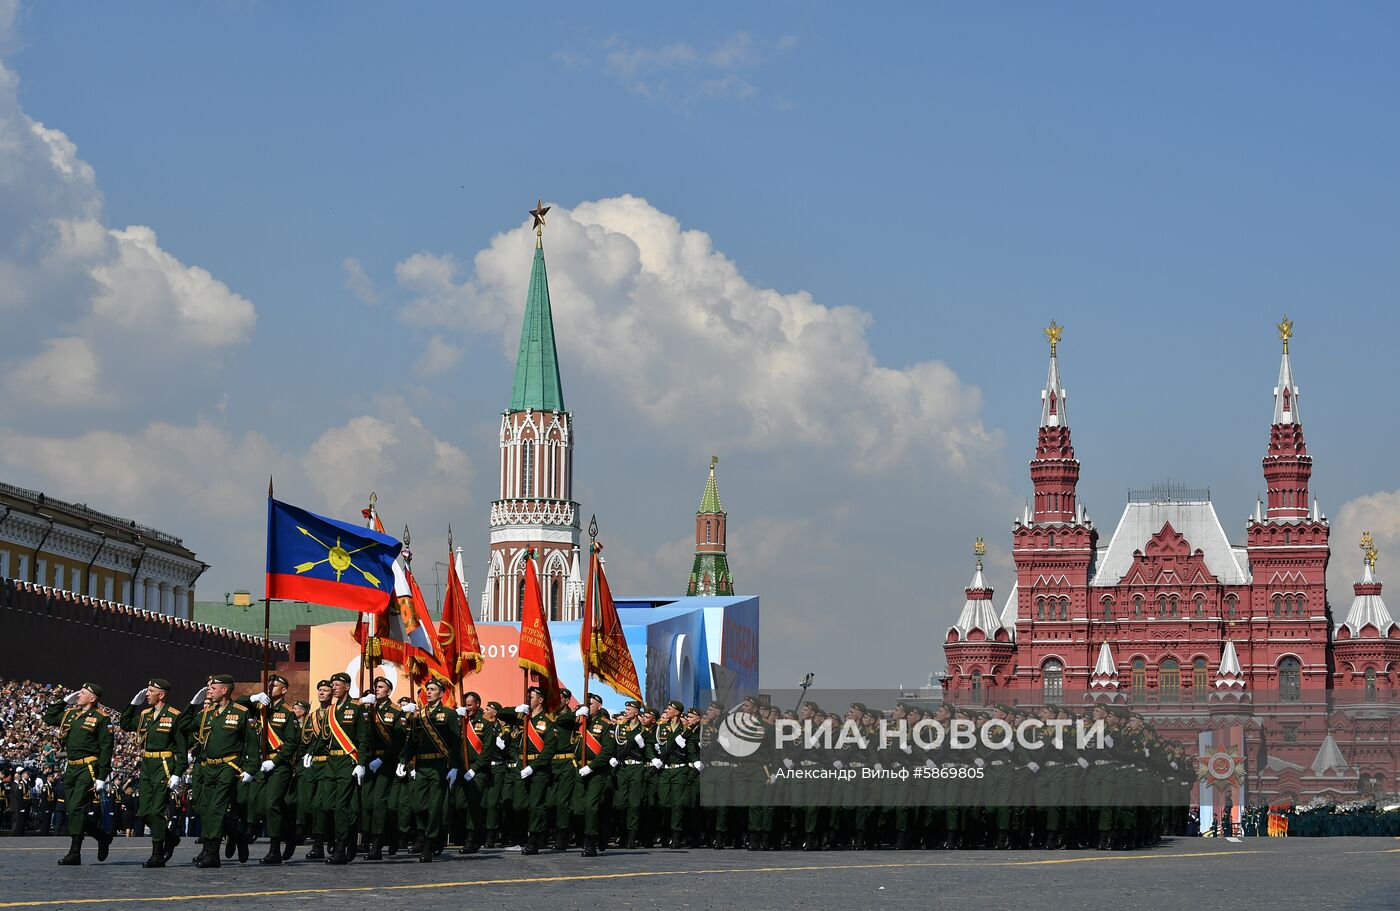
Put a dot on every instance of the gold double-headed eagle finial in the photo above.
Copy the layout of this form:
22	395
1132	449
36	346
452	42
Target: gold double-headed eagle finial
979	547
714	460
1368	547
1053	333
1285	332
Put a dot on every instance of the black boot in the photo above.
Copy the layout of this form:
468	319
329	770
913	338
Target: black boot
318	850
561	840
274	852
210	857
104	844
74	857
289	848
590	847
529	844
632	841
241	844
677	840
170	844
230	845
376	850
157	858
470	846
1103	841
491	839
340	853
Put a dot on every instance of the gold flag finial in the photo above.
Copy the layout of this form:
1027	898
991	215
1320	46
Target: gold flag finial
979	547
714	460
1053	333
1285	331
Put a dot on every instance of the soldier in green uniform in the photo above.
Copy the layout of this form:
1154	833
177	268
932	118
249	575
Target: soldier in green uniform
279	735
629	740
537	760
228	749
595	758
296	819
161	736
401	797
502	775
563	773
86	737
691	733
386	737
714	792
478	751
344	736
651	779
433	754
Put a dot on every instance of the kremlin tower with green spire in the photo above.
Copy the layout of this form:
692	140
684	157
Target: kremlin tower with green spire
710	573
534	507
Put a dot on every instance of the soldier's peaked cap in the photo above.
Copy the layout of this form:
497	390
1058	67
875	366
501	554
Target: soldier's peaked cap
634	704
384	680
594	697
321	683
159	683
676	704
92	688
271	679
225	679
341	676
539	690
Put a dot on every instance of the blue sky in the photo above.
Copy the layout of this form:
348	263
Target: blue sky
941	180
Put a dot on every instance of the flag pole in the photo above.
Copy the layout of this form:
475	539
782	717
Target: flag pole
267	605
364	639
456	677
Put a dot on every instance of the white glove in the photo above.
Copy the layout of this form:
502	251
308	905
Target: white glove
879	768
680	741
772	779
410	708
358	773
698	766
1108	740
140	697
99	785
500	743
928	763
581	712
268	765
374	764
412	773
837	764
787	763
452	776
71	698
174	782
657	763
199	696
527	772
1083	763
259	699
244	777
469	774
979	762
613	762
585	771
640	741
306	761
368	699
1173	765
522	709
461	711
907	750
1146	752
1033	766
401	771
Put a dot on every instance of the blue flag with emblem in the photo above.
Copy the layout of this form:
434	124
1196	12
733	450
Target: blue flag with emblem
325	561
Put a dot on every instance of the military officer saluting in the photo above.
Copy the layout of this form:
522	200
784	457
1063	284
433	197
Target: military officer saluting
161	736
85	736
433	753
279	737
228	749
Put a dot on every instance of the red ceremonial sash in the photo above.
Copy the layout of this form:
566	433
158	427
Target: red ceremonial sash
473	738
590	743
340	736
274	743
535	739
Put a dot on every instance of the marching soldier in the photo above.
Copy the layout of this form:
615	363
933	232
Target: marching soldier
537	758
432	754
671	760
563	777
629	799
311	759
478	751
278	740
693	745
377	795
595	759
505	775
228	748
86	737
715	786
161	736
345	738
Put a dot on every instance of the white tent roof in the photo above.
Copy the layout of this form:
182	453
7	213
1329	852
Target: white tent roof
1195	521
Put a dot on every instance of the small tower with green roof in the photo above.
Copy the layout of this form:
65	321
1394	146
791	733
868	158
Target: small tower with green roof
710	573
534	505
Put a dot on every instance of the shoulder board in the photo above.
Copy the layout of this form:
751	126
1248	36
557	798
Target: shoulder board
239	707
173	711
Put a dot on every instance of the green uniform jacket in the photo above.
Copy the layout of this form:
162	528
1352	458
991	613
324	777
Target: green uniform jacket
600	730
386	732
351	719
158	729
83	734
434	729
224	732
485	733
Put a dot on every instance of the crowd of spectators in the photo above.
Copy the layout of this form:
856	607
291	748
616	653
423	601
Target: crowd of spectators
31	764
